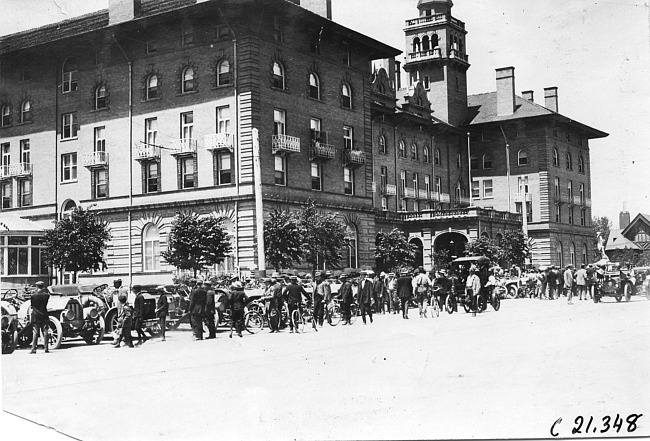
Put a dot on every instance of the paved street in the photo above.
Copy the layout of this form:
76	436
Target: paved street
511	373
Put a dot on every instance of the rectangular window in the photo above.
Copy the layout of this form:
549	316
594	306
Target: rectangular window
416	182
7	194
100	186
224	167
519	207
187	34
402	205
348	137
280	170
316	178
187	125
6	154
583	217
570	215
151	130
278	33
39	267
348	180
476	190
25	192
18	259
438	185
100	140
69	167
570	188
487	189
402	180
151	177
187	172
582	194
426	82
384	203
474	162
427	184
223	119
25	155
69	125
315	127
151	46
383	177
556	188
279	122
558	214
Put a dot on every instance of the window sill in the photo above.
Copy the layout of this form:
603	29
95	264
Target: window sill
285	90
74	181
70	91
349	109
24	123
221	86
191	92
69	139
318	100
101	109
6	127
158	98
486	197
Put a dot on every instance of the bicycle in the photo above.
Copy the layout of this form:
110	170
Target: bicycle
434	306
298	319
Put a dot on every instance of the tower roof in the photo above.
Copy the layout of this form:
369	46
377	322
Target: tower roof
425	3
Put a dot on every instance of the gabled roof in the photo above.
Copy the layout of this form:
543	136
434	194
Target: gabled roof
644	218
482	109
617	241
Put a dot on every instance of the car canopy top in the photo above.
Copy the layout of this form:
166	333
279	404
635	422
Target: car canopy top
472	259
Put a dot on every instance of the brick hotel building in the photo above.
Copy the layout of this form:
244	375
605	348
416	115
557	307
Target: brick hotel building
150	107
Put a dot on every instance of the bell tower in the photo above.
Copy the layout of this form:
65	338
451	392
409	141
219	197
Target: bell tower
436	55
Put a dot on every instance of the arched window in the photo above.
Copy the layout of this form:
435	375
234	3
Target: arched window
6	115
416	44
522	157
569	161
414	151
67	208
314	86
556	158
69	75
278	75
499	239
382	145
436	157
402	150
434	41
581	164
153	86
100	97
485	235
351	237
426	153
487	161
573	254
188	84
223	73
425	43
150	248
346	96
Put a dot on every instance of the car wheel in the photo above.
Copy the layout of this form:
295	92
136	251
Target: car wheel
98	335
9	341
627	292
449	304
25	337
55	333
496	303
512	292
110	321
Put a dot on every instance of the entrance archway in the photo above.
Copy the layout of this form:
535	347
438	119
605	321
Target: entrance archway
452	242
419	253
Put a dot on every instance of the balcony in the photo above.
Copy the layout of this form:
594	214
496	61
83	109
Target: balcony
219	141
423	195
423	55
285	144
185	146
408	193
445	198
95	160
390	190
519	197
16	170
586	203
462	201
353	158
444	216
147	152
319	150
436	18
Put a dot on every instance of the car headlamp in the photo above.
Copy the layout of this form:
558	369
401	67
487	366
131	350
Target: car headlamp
68	314
91	313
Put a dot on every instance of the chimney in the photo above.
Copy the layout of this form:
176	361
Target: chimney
623	219
550	97
528	95
120	11
320	7
505	91
398	75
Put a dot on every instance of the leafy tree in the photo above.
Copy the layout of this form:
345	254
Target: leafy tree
484	247
515	247
196	242
441	259
603	226
394	251
323	237
77	243
282	239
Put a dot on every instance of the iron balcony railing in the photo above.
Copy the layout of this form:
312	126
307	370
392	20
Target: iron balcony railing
445	198
321	150
16	170
423	195
94	159
184	146
436	18
408	193
219	141
519	197
353	158
391	190
147	151
285	144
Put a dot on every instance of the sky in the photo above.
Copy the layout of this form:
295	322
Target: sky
596	52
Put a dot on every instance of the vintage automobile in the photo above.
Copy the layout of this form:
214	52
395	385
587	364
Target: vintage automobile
68	319
9	327
460	267
641	275
613	281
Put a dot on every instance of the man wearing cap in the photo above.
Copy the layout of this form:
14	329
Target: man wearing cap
404	291
238	301
347	297
294	293
138	314
421	287
124	322
365	295
39	317
115	291
162	309
210	309
322	291
379	292
276	304
198	299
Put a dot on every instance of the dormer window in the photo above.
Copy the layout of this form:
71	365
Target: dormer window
69	75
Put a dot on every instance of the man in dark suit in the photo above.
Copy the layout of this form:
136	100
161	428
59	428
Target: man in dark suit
404	291
198	300
210	309
364	296
347	297
138	314
40	318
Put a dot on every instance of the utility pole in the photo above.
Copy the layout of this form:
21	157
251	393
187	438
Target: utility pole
507	167
469	170
259	207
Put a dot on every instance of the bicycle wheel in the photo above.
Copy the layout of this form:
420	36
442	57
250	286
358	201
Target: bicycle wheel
335	315
253	322
298	320
354	312
436	308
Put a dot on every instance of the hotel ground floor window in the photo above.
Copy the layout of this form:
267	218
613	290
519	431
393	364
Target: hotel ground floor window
22	256
151	248
224	171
